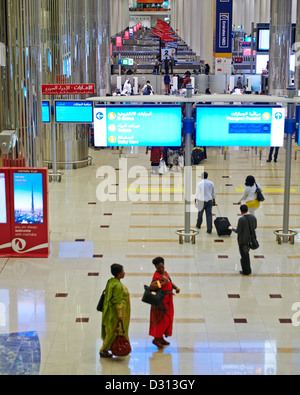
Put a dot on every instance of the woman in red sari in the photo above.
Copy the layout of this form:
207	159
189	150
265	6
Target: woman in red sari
161	319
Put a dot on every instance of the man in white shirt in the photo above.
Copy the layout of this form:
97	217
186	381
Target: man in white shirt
205	200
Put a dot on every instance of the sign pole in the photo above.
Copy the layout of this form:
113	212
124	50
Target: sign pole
288	164
188	164
54	144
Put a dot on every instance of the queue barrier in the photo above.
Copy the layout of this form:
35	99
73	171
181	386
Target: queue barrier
280	235
182	235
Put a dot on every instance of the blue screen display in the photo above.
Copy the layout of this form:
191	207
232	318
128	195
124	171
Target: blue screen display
240	126
74	112
297	136
45	112
128	126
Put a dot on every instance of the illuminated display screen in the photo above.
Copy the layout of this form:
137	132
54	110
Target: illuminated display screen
127	126
3	215
74	112
264	40
28	198
240	126
45	112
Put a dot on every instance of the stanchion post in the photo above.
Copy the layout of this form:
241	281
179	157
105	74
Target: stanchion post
289	130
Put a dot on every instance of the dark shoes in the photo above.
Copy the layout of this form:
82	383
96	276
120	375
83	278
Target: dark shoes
106	355
243	274
160	343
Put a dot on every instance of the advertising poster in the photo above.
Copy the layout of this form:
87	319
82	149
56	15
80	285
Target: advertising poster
29	212
5	229
139	126
236	126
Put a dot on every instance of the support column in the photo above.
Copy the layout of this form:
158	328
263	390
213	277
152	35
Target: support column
76	50
297	48
280	36
23	72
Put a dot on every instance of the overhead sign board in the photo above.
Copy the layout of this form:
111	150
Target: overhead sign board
68	89
127	62
126	126
240	126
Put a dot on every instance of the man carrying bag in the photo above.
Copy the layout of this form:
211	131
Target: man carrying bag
246	238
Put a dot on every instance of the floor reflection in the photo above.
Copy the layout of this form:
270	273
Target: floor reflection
20	354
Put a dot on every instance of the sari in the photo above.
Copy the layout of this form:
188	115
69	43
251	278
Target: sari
116	304
162	318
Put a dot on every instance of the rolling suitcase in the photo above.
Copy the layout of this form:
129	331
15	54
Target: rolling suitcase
222	224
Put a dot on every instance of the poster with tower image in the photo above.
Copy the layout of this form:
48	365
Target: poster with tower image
29	212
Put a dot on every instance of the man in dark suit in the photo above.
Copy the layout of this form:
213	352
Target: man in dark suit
247	223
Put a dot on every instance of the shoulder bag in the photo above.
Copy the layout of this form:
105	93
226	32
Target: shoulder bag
260	196
101	302
154	298
253	243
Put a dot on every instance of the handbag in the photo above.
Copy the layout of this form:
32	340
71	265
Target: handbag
162	167
253	243
121	346
101	302
260	196
181	161
154	298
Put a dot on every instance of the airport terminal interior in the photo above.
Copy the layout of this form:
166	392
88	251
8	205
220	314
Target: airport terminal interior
104	200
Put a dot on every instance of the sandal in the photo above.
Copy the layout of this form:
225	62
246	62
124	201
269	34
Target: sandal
157	343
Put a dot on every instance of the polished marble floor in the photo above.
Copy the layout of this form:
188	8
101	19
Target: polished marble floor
224	323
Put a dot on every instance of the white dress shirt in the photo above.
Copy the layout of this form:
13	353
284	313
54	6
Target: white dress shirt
205	191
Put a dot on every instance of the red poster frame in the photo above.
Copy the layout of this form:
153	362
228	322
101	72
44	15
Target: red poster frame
5	229
30	240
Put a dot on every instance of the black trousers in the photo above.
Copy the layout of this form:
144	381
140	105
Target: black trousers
276	149
245	259
207	207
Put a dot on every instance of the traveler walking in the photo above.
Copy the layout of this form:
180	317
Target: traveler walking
157	153
250	195
161	318
116	310
246	226
205	200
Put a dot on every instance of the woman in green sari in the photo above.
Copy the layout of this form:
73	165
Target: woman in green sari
116	310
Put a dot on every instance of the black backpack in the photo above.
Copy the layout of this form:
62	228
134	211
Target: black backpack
148	91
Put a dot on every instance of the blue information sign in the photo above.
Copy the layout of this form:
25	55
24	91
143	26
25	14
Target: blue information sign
45	112
297	134
240	126
74	112
129	126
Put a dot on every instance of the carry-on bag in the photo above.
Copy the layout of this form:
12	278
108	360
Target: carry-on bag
154	298
222	225
121	346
